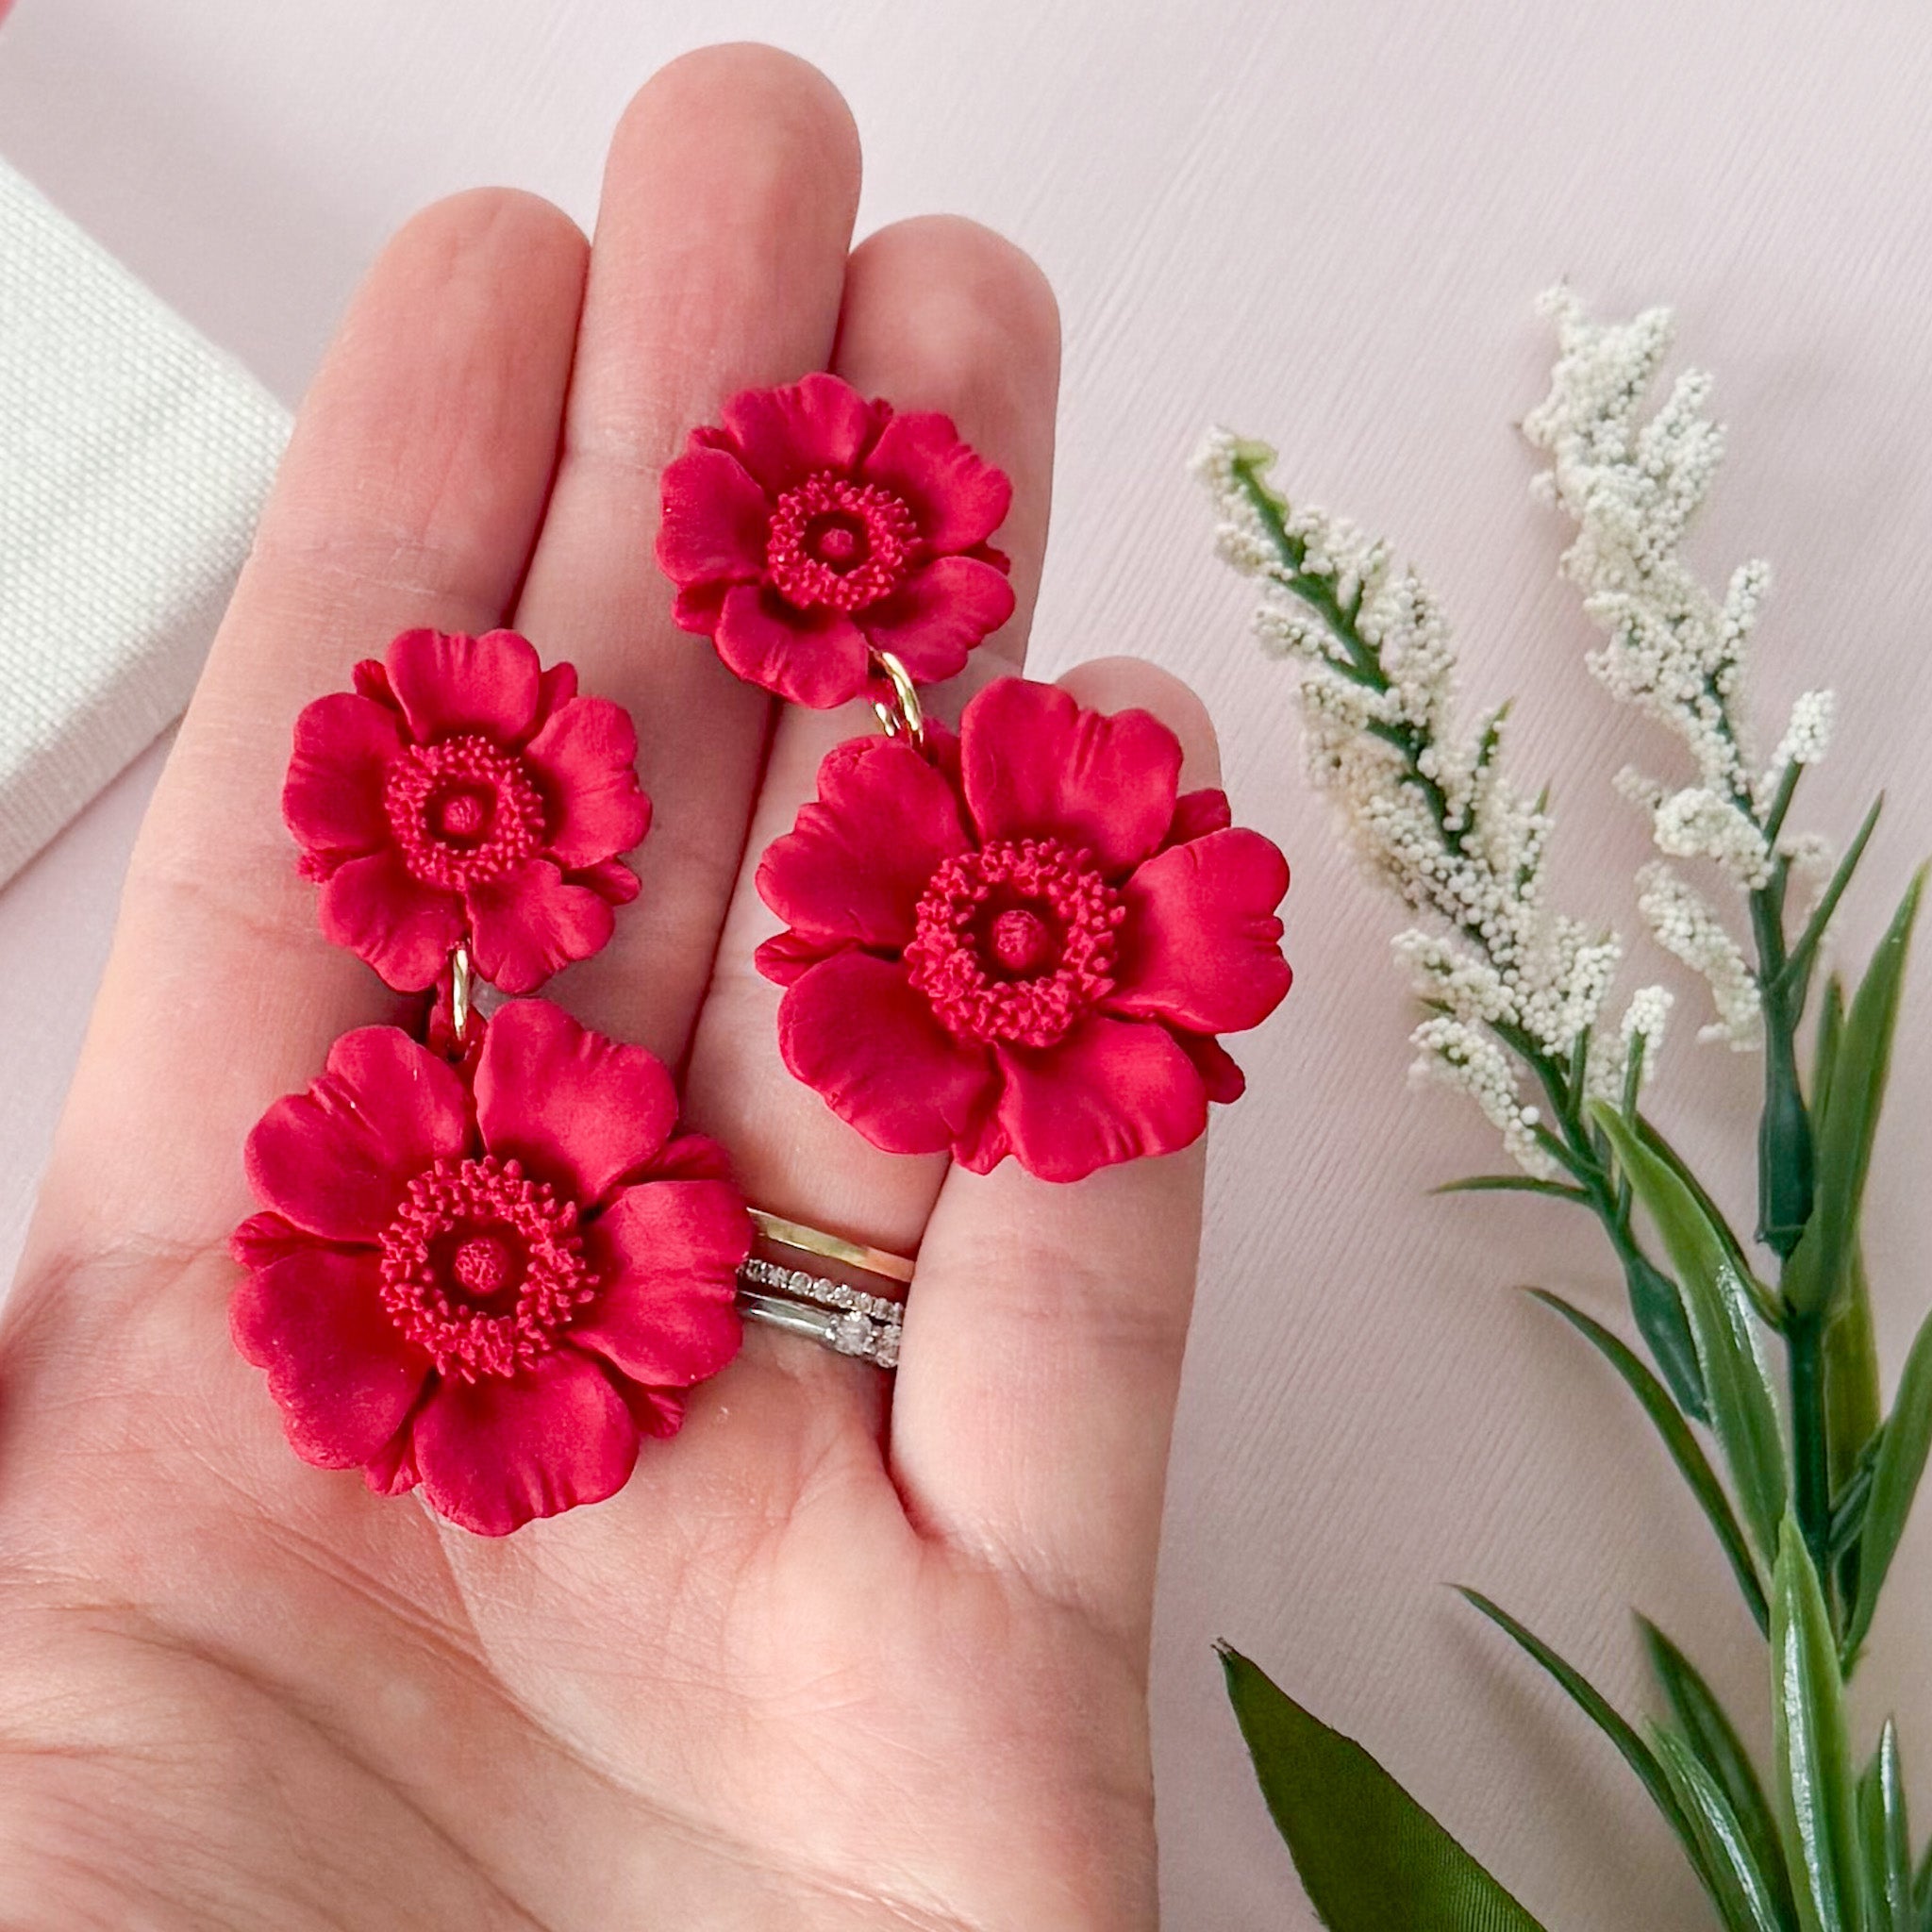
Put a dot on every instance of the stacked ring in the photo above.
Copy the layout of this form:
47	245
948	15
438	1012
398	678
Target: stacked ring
838	1316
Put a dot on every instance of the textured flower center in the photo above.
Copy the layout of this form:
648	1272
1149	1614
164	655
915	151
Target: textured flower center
482	1267
837	543
1016	941
463	811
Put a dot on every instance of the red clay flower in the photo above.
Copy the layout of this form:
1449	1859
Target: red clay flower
461	787
487	1278
815	526
1025	947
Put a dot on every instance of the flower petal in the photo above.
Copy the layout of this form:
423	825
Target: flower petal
860	855
958	497
668	1252
447	683
1197	813
1036	765
265	1238
332	800
580	1110
938	615
784	434
814	657
380	910
783	956
1111	1090
337	1366
688	1157
533	922
696	608
856	1031
391	1470
585	758
335	1160
610	878
1223	1080
1200	945
497	1453
716	521
556	685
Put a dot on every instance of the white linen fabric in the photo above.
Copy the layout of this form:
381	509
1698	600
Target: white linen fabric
134	458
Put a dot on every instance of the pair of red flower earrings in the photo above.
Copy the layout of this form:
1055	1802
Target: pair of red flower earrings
490	1259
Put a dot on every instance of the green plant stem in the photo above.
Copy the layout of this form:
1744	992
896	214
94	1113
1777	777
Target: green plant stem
1784	1128
1572	1146
1810	1445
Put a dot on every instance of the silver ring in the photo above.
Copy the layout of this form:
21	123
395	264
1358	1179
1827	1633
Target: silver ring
836	1315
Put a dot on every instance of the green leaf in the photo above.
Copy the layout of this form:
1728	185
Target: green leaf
1743	1411
1831	1027
1852	1404
1727	1865
1895	1476
1848	1118
1853	1410
1848	1506
1658	1309
1369	1858
1786	1143
1513	1184
1601	1712
1799	961
1887	1838
1707	1730
1686	1452
1922	1892
1648	1133
1817	1809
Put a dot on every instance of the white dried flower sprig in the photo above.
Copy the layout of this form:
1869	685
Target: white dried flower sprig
1430	812
1632	486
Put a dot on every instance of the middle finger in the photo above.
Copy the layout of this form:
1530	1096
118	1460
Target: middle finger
718	261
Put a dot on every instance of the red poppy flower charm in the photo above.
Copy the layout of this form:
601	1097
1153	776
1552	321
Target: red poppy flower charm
488	1279
815	527
1027	946
459	789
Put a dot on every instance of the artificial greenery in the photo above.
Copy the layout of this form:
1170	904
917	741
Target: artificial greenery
1762	1379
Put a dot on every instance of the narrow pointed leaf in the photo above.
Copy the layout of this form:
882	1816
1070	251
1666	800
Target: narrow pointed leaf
1513	1184
1601	1712
1648	1133
1369	1858
1707	1729
1658	1309
1743	1411
1848	1121
1831	1027
1685	1451
1728	1866
1802	955
1887	1838
1818	1805
1852	1402
1848	1505
1901	1450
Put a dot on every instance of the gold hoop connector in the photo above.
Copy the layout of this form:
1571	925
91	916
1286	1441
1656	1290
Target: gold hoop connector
459	993
897	708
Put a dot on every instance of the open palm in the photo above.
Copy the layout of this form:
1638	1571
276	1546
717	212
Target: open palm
845	1653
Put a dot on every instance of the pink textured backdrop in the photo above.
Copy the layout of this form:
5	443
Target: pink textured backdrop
1324	224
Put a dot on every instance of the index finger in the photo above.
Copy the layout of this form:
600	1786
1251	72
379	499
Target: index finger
410	495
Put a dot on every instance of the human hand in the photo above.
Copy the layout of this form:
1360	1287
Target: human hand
846	1652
